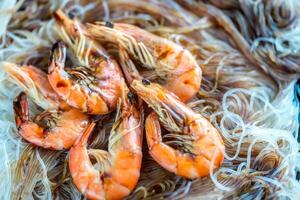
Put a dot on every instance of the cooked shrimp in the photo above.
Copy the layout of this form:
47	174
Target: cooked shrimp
121	165
56	130
175	66
58	127
198	144
94	90
35	83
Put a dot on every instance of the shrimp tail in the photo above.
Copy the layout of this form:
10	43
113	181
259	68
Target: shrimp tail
20	106
57	56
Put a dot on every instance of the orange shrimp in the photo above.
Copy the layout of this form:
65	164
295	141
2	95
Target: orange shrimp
121	164
194	144
56	130
95	87
175	66
93	90
59	126
35	83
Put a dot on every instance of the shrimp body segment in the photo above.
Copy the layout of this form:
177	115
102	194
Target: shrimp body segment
121	164
173	64
194	145
93	90
51	129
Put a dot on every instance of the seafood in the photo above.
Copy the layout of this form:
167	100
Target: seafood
200	146
175	66
56	130
35	83
93	87
121	165
58	126
92	90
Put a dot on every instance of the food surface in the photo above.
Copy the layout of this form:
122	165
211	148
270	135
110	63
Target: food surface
149	99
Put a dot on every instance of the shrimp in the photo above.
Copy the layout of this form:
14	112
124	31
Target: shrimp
91	90
121	165
194	146
95	86
58	126
56	130
175	66
35	83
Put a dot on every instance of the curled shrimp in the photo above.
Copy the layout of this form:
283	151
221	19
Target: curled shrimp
92	90
121	165
194	146
95	86
56	130
175	66
58	126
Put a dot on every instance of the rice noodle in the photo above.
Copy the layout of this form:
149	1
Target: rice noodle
248	52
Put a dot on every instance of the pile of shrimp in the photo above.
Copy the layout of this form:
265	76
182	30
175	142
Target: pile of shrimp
149	99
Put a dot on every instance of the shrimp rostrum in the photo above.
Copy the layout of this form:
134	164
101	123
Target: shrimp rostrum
119	167
56	128
175	67
192	146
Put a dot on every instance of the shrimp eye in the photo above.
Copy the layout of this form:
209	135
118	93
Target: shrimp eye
71	15
109	24
146	82
131	97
